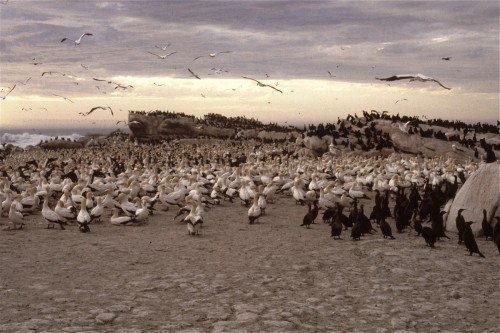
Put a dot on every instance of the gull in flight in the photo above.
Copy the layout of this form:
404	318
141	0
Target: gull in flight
164	48
260	84
96	108
9	92
412	77
64	98
117	85
193	74
163	56
79	40
446	58
25	82
400	100
212	55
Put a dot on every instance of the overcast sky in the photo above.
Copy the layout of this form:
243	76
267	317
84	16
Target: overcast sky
323	55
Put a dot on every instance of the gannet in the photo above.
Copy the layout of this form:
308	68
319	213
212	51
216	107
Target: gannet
260	84
79	40
412	77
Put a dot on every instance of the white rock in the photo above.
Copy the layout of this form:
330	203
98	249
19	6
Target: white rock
105	317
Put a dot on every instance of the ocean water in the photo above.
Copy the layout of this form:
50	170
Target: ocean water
23	137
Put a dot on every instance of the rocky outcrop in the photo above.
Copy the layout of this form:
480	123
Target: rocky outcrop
480	191
62	144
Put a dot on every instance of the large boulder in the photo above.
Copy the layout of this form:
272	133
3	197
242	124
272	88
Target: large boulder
480	191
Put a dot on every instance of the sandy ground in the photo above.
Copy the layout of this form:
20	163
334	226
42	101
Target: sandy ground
274	276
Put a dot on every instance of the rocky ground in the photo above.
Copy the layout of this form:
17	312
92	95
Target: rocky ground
274	276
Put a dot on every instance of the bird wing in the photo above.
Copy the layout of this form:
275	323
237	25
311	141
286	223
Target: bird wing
65	38
154	54
9	92
198	58
249	78
397	77
94	108
168	55
192	73
111	110
440	84
223	52
267	85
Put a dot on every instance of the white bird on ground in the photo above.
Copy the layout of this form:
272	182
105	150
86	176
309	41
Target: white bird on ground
193	220
404	127
98	210
412	77
65	212
126	206
15	216
121	220
51	216
83	218
254	212
142	213
79	40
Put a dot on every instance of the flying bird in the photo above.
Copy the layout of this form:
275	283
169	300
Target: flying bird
400	100
212	55
9	92
260	84
117	85
330	73
163	56
24	82
162	48
64	98
193	74
79	40
446	58
99	107
412	77
35	63
49	73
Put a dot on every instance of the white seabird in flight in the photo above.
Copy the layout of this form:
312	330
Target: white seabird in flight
99	107
164	48
163	56
79	40
64	98
212	55
412	77
260	84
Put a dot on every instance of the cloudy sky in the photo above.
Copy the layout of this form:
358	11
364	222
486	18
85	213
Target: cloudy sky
324	56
